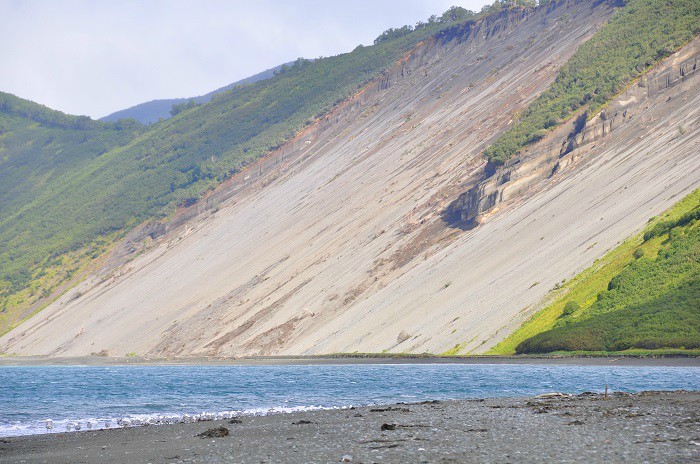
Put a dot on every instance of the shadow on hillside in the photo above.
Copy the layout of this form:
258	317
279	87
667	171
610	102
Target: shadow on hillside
452	217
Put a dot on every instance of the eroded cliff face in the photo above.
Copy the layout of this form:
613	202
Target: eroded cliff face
337	241
530	171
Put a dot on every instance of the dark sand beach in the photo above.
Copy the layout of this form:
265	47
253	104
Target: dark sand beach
653	427
682	361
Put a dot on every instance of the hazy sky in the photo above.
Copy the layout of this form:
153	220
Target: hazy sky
95	57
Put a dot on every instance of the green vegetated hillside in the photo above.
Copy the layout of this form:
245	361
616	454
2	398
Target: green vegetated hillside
643	295
639	34
41	152
71	186
152	111
37	143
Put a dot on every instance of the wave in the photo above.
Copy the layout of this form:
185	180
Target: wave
73	425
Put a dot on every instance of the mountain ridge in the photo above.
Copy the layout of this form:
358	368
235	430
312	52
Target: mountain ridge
153	110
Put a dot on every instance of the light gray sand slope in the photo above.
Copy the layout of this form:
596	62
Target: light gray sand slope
652	427
344	250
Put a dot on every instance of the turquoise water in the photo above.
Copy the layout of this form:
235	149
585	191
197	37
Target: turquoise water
106	396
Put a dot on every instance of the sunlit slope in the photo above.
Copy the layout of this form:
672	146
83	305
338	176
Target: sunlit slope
641	295
152	111
344	216
70	186
342	247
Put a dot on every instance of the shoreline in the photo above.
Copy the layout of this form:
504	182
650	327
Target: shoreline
642	427
582	360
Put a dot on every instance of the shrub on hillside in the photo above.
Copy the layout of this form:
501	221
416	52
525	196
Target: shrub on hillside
569	308
640	34
650	304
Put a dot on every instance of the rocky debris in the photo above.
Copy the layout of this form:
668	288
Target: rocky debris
217	432
403	336
387	426
454	431
388	409
387	446
302	422
553	395
235	421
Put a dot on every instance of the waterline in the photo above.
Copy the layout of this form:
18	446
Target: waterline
70	395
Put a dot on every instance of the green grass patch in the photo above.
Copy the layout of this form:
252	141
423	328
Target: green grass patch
454	351
49	280
672	320
586	286
635	352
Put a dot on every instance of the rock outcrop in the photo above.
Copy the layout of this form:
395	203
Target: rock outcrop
525	172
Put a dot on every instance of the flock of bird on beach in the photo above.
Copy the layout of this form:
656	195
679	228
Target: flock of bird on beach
133	422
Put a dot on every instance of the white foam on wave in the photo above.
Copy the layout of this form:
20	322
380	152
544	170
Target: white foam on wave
139	420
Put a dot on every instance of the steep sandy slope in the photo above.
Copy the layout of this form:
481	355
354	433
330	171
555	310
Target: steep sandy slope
336	243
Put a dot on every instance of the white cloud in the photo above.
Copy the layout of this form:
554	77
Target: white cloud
88	57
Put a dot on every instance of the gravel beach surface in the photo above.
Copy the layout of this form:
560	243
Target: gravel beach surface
650	427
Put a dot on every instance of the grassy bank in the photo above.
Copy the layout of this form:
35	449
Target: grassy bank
644	295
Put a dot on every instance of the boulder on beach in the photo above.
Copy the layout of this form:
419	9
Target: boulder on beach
217	432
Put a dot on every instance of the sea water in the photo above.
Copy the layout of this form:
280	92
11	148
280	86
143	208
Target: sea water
113	396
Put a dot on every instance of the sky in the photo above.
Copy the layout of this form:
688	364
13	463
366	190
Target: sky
95	57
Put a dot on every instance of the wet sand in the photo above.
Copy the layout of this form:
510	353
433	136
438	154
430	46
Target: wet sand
681	361
647	427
